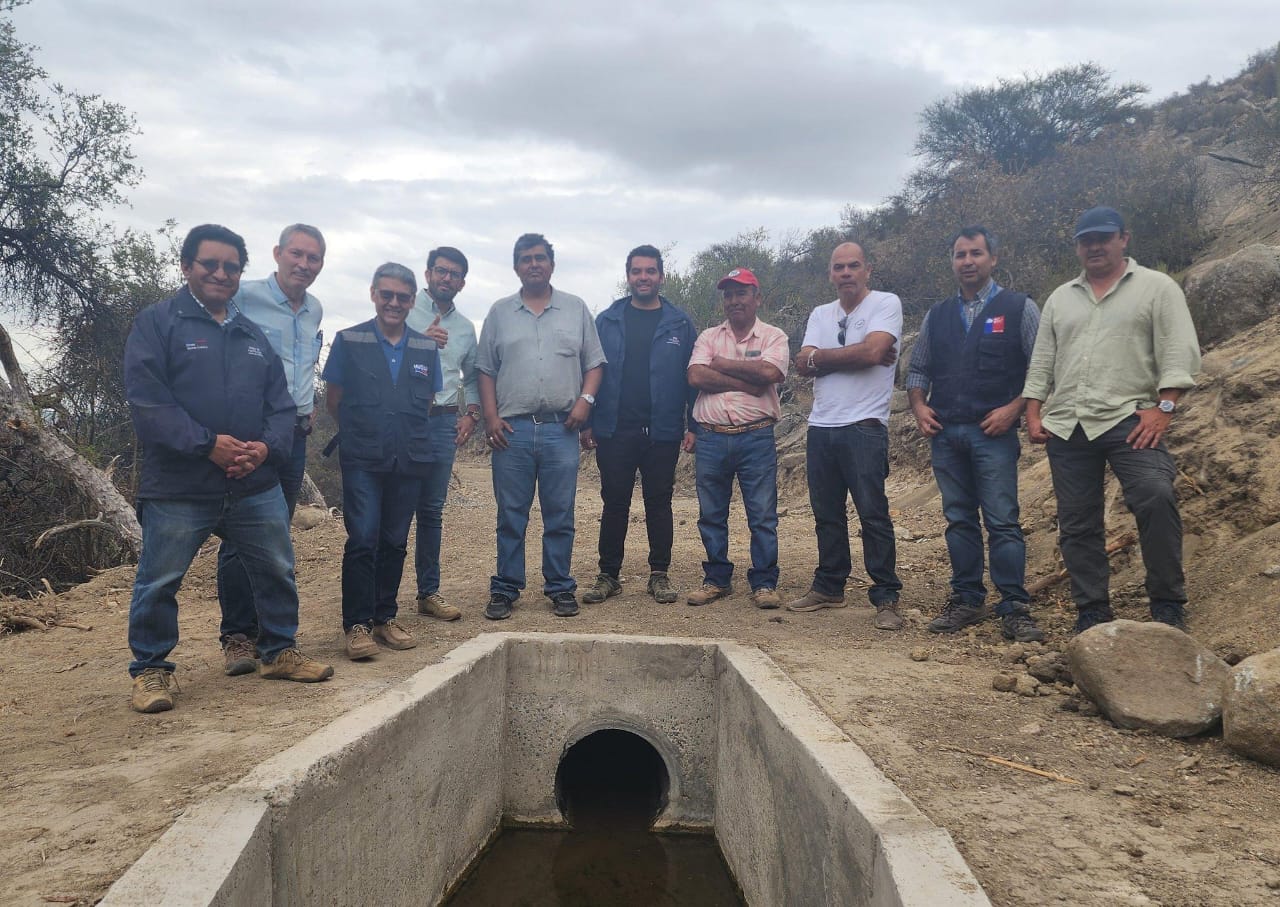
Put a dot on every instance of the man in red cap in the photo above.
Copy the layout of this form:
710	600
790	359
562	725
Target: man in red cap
737	366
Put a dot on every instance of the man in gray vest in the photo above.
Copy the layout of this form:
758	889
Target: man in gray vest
455	413
964	382
290	317
381	377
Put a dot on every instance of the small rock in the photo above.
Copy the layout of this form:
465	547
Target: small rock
903	534
919	654
1251	713
1032	728
1014	653
308	517
1090	709
1272	572
1273	884
1070	704
1155	821
1189	762
1124	790
1026	685
1004	683
776	619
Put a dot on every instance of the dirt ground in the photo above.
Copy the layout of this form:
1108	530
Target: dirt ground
86	785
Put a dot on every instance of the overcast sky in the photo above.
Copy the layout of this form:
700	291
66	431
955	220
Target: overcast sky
398	126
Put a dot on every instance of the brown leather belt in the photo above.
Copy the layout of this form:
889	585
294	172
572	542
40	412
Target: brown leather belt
738	429
440	410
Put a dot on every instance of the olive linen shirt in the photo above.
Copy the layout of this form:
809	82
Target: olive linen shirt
1097	361
765	343
457	357
537	361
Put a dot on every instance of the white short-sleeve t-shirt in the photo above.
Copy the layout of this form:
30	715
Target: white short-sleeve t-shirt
843	398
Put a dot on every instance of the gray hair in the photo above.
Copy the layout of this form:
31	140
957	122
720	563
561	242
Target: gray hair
396	272
305	229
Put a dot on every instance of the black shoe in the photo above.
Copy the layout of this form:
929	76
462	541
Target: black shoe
956	616
499	607
1020	626
1167	613
1091	617
564	604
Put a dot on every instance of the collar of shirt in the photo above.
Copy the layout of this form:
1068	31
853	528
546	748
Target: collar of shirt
398	345
232	310
727	328
278	295
1082	280
551	303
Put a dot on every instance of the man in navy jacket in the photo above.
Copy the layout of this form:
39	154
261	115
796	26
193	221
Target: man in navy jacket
641	421
213	414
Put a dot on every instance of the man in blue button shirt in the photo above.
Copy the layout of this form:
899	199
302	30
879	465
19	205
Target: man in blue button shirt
290	317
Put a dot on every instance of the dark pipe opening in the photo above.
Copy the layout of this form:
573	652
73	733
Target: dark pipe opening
613	779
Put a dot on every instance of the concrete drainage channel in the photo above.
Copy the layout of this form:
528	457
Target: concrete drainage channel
391	803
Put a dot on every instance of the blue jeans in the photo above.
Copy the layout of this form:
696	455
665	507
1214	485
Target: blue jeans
976	472
431	497
852	460
546	456
753	458
172	533
235	595
377	508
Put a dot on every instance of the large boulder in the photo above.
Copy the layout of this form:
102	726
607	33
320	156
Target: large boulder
1251	712
1230	294
1149	675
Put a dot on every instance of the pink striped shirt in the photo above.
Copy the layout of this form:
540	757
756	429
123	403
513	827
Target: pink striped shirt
765	343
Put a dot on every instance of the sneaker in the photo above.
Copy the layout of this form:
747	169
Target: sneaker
606	587
1020	626
151	691
707	594
766	598
1091	617
888	617
813	600
360	643
434	605
240	656
499	607
1172	614
565	604
393	635
660	588
293	665
956	615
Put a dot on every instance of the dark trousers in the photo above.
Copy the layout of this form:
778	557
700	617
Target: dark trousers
1146	478
852	461
619	458
377	508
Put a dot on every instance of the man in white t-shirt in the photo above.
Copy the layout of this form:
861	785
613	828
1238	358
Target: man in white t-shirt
850	347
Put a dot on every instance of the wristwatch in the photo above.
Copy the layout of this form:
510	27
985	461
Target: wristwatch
474	414
591	401
1167	407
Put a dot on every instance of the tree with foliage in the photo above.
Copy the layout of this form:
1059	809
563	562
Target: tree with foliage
1017	123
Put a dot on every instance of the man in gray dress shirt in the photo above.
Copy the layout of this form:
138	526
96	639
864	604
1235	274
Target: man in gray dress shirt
540	366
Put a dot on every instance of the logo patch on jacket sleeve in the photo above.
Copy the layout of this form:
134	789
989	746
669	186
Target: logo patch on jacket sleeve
421	370
254	351
674	340
994	325
199	344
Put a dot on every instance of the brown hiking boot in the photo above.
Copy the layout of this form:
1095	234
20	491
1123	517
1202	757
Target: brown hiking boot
605	587
393	635
813	600
434	605
239	655
151	691
293	665
888	617
360	643
765	598
707	594
660	588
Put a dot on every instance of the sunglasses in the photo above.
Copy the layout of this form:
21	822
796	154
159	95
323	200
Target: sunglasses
446	273
841	325
212	265
388	295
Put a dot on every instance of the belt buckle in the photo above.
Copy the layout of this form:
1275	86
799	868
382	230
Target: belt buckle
555	417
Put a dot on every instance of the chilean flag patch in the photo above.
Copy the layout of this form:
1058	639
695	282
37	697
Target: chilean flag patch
994	325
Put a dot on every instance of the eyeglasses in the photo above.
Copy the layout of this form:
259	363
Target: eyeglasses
841	325
212	265
446	273
388	295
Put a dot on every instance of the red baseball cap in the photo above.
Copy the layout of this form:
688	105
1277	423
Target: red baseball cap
739	275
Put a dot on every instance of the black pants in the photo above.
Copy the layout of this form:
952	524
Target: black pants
619	457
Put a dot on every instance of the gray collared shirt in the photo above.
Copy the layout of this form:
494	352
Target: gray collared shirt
295	336
537	361
457	357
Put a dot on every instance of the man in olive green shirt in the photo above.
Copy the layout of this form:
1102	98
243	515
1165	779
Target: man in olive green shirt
1115	351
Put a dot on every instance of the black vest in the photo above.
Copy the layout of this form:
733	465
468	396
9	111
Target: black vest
385	424
974	372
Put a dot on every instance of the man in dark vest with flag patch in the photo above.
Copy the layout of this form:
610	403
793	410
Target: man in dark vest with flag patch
964	382
381	376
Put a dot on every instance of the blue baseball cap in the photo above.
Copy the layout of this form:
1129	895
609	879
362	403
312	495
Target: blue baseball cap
1099	220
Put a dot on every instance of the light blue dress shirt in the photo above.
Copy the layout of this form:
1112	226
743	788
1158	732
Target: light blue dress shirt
457	358
295	336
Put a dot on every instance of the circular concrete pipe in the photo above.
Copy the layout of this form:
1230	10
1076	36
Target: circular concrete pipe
612	778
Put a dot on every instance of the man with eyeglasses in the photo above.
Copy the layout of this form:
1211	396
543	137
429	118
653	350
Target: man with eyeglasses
455	413
212	411
380	378
540	366
290	317
849	349
1115	353
964	382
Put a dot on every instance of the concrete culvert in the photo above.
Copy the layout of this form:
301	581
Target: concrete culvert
611	778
